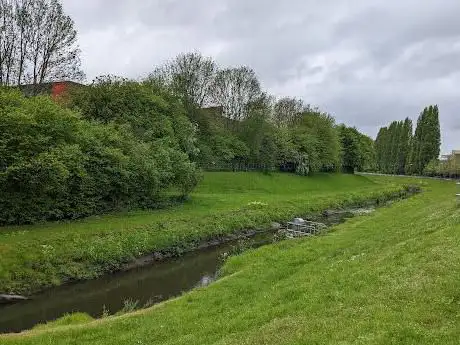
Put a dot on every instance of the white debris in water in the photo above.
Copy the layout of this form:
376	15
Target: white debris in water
299	221
362	211
205	281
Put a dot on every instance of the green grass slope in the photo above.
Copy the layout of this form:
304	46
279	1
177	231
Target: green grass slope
34	257
391	277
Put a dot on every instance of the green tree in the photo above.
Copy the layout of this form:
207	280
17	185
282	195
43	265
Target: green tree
38	43
235	89
380	147
433	168
57	165
367	153
425	145
350	154
404	146
393	145
288	111
357	150
431	141
152	116
189	76
400	152
316	141
257	132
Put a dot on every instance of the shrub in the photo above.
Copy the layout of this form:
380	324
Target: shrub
57	165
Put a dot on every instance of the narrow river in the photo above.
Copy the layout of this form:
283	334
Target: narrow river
153	283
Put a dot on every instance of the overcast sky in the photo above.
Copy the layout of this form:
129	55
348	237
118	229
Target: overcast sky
365	62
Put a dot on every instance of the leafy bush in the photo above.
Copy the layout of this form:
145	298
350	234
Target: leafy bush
57	165
443	168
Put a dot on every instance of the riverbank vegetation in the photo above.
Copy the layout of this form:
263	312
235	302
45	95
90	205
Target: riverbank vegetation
121	144
39	256
390	277
57	165
100	175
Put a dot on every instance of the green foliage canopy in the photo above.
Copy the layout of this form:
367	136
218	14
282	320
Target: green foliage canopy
55	164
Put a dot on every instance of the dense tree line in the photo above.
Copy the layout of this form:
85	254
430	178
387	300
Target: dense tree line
392	147
240	125
357	150
119	146
400	151
123	144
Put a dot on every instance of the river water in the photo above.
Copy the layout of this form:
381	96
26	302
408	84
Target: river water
149	284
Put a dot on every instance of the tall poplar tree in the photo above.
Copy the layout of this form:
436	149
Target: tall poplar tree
392	147
380	145
404	145
426	141
431	141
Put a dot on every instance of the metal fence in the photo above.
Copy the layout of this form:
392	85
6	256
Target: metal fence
239	167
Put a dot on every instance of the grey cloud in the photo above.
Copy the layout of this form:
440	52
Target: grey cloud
367	62
386	28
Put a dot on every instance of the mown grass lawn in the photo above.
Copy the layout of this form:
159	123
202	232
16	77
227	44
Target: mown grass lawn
391	277
34	257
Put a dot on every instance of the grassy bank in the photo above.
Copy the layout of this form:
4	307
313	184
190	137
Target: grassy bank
34	257
387	278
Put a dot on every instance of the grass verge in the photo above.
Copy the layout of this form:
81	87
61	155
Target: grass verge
386	278
39	256
66	320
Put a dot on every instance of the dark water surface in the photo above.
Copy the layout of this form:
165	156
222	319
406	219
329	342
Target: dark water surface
153	283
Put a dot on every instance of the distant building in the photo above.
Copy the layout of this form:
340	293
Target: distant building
54	89
454	157
444	158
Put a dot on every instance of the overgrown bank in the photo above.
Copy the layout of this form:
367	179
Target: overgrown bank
56	164
36	257
387	278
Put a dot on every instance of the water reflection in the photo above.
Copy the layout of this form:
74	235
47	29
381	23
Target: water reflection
152	284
